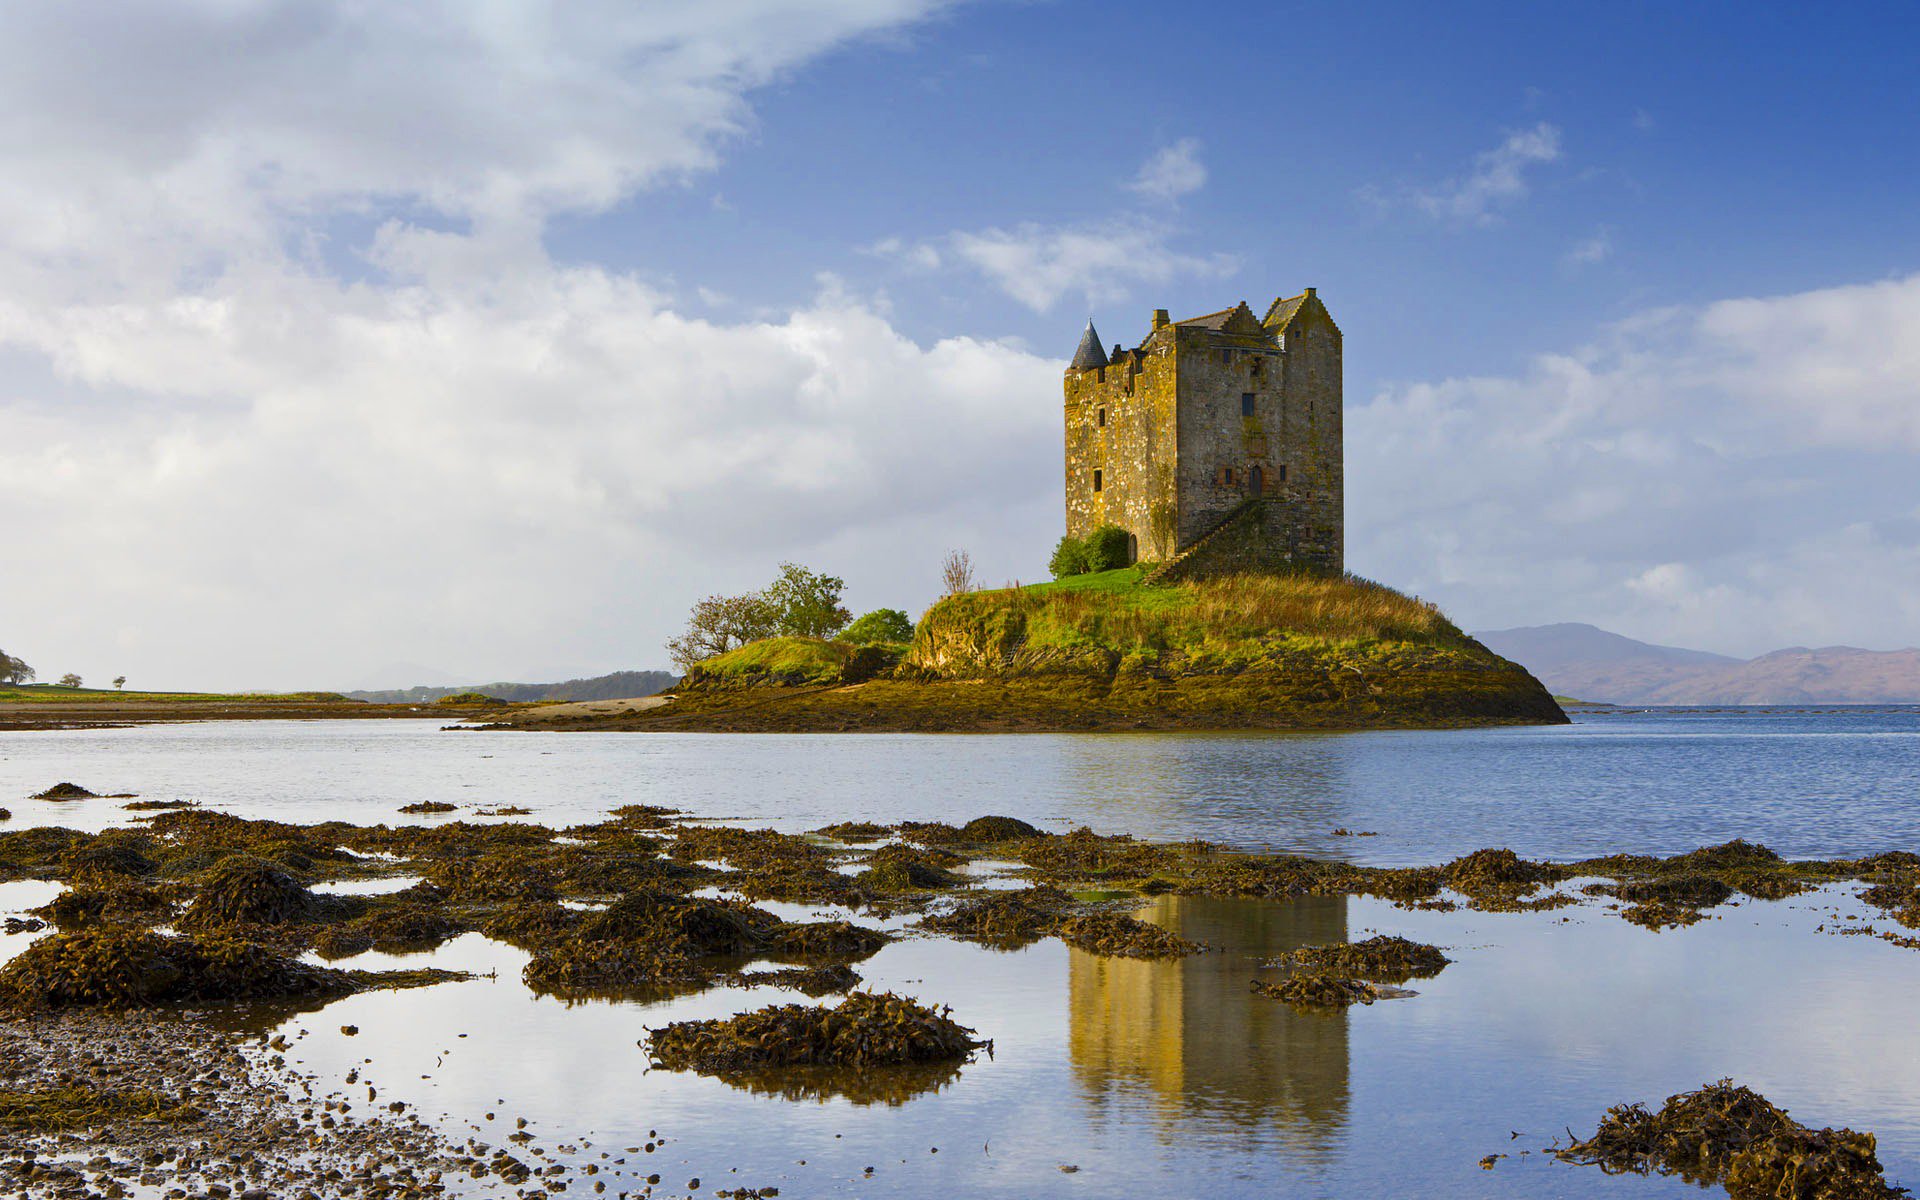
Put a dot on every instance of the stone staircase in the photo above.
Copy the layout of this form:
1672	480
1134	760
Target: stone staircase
1162	573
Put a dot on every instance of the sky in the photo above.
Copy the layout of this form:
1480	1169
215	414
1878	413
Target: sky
350	345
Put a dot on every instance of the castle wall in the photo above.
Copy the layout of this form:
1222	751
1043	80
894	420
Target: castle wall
1135	451
1205	418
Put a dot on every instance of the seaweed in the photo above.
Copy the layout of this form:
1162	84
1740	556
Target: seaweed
118	968
1658	915
1731	1135
66	791
907	869
392	929
813	981
243	890
110	902
69	1106
1381	958
1315	991
159	805
853	831
1114	935
867	1029
1690	888
825	939
428	806
999	829
1497	875
1005	920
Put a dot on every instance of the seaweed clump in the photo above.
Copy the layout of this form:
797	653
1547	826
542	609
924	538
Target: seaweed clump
60	1108
999	829
1658	914
866	1029
1005	920
907	869
66	791
853	831
243	890
1113	934
428	806
1731	1135
1382	957
1312	990
1497	878
120	968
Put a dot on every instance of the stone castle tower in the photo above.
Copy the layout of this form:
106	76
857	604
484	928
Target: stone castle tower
1215	442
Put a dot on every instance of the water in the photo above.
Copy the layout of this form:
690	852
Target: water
1152	1078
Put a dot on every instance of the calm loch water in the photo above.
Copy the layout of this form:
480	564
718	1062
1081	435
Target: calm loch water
1166	1079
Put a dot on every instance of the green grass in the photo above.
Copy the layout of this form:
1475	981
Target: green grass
791	660
1219	621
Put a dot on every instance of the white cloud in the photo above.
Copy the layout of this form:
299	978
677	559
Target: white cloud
1497	181
1719	476
1174	171
1038	265
1596	248
244	444
1100	261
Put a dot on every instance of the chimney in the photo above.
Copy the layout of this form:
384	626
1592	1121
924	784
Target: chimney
1310	293
1160	320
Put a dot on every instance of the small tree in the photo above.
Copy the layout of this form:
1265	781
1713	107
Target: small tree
1107	549
13	670
956	574
721	623
70	680
880	625
806	603
1069	558
119	681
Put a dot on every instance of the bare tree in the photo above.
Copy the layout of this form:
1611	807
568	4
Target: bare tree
956	574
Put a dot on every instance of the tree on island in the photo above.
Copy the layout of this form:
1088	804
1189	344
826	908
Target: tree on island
882	625
799	603
12	670
956	574
70	680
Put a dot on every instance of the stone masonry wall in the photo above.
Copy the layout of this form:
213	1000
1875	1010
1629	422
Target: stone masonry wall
1179	450
1133	446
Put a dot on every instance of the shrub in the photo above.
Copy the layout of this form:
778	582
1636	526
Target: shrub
1108	549
880	625
1069	558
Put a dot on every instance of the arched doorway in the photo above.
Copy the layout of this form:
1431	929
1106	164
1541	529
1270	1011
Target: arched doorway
1257	481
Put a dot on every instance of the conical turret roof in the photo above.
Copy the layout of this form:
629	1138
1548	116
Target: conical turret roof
1089	355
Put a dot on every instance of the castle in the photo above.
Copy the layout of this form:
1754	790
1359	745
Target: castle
1215	443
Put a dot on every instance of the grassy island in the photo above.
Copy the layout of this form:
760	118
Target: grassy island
1110	651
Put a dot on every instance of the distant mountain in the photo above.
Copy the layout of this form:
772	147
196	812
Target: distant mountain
617	686
1592	664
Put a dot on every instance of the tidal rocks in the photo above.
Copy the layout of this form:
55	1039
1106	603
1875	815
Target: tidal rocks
66	791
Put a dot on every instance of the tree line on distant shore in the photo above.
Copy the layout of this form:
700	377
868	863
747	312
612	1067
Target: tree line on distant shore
16	670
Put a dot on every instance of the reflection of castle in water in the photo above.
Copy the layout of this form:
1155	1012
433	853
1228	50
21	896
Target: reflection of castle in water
1192	1033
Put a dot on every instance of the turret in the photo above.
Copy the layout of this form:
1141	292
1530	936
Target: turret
1089	355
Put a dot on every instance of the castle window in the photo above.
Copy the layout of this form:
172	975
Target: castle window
1100	418
1096	479
1100	374
1257	481
1283	472
1226	476
1246	404
1226	357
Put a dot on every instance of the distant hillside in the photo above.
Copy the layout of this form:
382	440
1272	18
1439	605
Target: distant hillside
1592	664
617	686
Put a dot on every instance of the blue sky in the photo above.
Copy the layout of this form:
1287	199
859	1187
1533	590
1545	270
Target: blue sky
479	340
